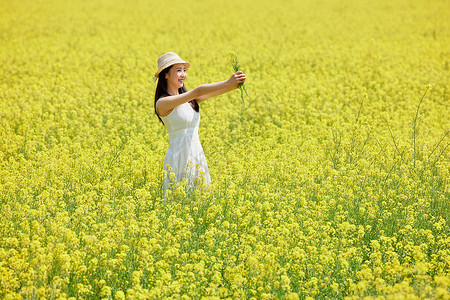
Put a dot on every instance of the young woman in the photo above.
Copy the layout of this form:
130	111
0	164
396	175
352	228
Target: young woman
178	109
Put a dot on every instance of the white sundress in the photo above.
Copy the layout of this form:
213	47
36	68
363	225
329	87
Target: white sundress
185	156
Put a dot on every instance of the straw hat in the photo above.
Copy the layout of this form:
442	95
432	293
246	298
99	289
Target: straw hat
168	59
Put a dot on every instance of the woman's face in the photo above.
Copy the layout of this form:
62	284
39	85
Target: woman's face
176	76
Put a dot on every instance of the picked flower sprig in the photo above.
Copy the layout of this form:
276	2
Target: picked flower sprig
235	64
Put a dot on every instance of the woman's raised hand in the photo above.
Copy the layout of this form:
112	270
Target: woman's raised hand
237	78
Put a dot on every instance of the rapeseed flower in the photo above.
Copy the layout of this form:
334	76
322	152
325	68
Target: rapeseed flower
339	190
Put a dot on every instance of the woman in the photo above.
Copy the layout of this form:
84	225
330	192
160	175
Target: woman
178	109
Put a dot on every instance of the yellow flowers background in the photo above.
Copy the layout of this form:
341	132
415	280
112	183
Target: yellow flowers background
333	183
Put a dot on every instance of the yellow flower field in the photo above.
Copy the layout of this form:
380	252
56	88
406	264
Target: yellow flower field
333	183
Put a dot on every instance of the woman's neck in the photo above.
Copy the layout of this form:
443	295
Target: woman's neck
172	91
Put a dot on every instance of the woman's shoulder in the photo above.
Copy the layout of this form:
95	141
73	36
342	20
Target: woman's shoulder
160	98
170	111
156	106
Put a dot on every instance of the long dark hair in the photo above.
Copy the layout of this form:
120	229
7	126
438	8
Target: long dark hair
161	91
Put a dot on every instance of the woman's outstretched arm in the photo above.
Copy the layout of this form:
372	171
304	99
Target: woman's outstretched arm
166	104
216	93
240	76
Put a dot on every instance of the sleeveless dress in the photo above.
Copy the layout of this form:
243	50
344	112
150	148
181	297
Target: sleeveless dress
185	156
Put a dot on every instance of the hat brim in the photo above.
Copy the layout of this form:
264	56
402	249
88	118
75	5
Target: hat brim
171	63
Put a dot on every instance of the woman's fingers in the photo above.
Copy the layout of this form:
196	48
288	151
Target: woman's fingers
238	77
241	77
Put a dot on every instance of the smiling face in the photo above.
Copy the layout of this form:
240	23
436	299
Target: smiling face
175	77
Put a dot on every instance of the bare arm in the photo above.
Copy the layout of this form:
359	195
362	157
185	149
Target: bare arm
240	78
165	105
217	93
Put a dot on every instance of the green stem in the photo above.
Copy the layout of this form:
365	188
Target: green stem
414	127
